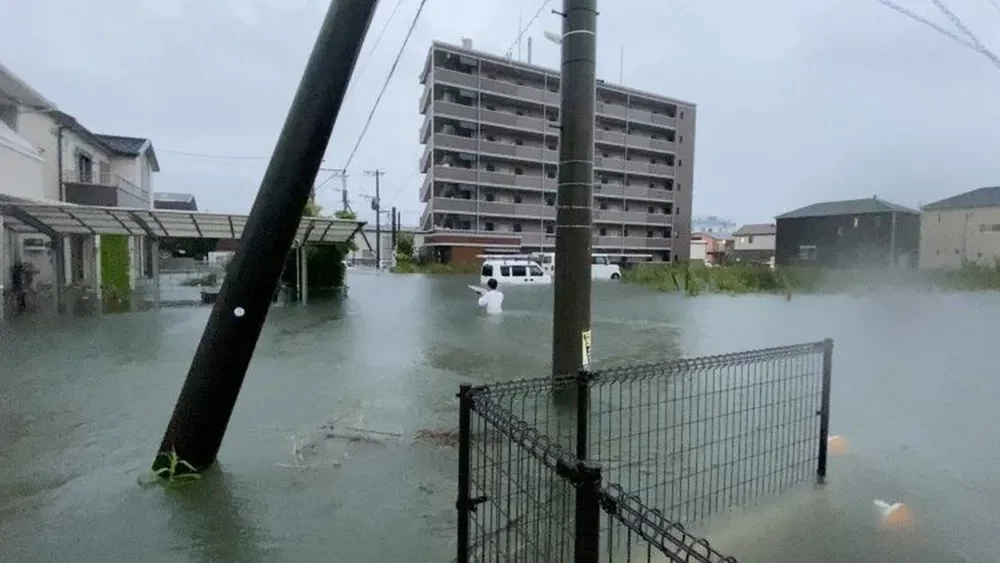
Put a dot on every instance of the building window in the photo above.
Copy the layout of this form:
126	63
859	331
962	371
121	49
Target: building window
552	146
518	170
519	111
680	162
650	209
682	115
603	205
652	161
491	107
750	239
518	142
490	196
652	184
488	226
604	179
551	173
624	231
605	154
666	232
681	138
602	231
491	168
855	222
517	198
649	233
517	227
549	228
807	253
550	201
491	138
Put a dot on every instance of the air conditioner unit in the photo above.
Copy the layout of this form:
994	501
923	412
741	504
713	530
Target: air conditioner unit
34	244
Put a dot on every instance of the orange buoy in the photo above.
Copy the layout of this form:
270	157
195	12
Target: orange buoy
893	515
836	444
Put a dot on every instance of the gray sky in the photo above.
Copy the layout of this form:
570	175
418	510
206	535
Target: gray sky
797	101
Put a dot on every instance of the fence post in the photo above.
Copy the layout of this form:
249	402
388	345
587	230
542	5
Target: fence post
583	379
463	504
587	535
824	412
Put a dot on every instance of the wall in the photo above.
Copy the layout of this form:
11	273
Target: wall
21	166
40	130
862	240
950	238
755	242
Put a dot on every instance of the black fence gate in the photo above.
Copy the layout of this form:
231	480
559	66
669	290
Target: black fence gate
610	464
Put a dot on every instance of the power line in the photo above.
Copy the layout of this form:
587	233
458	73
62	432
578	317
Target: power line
371	52
392	70
213	156
970	41
402	186
524	29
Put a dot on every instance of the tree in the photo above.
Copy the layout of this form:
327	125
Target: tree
404	246
345	215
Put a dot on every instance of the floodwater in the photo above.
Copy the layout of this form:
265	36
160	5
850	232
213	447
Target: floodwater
339	448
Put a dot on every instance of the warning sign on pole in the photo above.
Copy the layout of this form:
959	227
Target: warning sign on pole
585	340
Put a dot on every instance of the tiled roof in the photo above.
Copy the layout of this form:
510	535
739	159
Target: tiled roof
846	207
115	144
128	146
755	229
983	197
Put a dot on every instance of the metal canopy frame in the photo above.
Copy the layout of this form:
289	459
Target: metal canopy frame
54	219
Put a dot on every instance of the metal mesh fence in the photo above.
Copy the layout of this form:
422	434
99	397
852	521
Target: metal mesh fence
674	443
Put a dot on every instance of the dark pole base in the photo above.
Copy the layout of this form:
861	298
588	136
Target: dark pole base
194	434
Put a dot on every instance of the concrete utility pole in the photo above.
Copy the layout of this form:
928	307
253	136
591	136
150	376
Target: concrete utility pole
395	228
571	314
194	434
377	208
342	174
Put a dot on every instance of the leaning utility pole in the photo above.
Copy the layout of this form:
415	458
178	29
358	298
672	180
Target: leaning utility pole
377	207
571	312
395	228
194	434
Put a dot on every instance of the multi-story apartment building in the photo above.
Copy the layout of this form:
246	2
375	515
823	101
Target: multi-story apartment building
491	135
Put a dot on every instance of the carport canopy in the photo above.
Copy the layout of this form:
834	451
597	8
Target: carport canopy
57	218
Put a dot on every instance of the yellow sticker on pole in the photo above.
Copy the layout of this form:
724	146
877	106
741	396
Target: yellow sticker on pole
585	341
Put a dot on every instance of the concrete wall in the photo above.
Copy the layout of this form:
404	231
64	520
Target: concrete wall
754	242
21	166
950	238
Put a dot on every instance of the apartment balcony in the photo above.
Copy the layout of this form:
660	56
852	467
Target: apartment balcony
425	99
503	119
513	210
103	189
547	97
632	243
425	188
621	140
633	192
469	144
540	240
634	217
514	181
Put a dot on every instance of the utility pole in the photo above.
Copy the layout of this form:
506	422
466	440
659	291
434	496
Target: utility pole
395	228
571	312
377	208
194	434
342	174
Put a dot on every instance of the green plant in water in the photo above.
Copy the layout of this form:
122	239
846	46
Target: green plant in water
172	469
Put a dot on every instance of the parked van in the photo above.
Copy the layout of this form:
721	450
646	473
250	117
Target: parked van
601	266
513	270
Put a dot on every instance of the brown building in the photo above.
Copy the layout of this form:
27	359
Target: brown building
490	163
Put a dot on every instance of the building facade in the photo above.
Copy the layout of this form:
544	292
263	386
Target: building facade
963	229
754	243
709	249
491	157
59	160
858	233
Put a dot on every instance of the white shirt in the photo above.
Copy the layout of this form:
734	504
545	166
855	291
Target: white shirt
492	300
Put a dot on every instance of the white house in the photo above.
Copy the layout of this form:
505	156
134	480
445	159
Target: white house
962	229
755	243
47	155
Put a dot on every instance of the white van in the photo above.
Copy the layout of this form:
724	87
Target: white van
513	271
601	266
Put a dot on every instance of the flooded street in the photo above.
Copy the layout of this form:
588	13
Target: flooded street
340	446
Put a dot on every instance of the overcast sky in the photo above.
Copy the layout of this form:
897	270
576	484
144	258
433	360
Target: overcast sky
798	101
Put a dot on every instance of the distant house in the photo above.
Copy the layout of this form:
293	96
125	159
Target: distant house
754	243
708	248
867	232
172	200
961	229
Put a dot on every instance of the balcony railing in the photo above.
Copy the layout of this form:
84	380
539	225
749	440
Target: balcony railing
135	196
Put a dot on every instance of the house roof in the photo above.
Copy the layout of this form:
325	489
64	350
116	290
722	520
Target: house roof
12	87
115	144
983	197
130	146
759	229
846	207
173	197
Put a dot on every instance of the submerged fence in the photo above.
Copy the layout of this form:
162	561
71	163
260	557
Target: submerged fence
609	465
